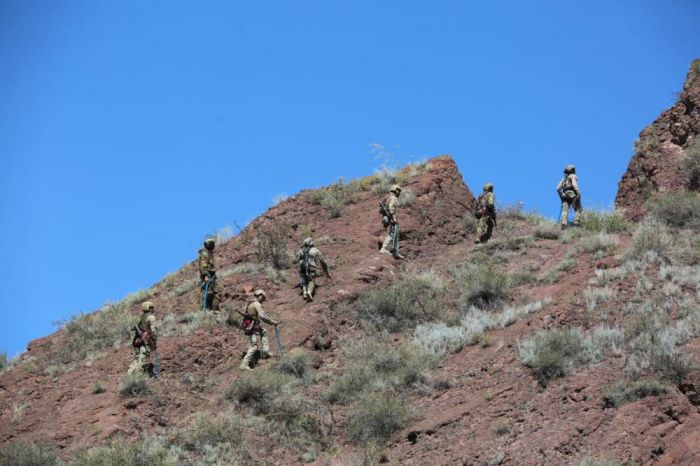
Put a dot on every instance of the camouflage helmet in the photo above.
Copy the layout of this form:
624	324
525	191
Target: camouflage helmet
488	187
147	306
308	242
209	242
396	189
257	293
570	169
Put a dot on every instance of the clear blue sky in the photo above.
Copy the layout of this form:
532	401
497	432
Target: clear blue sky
130	129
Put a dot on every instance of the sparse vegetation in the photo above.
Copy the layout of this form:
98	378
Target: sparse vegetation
678	210
691	165
407	198
98	388
600	244
134	385
300	365
223	433
271	245
547	230
259	389
183	288
376	365
23	453
602	221
650	236
147	452
470	223
4	361
404	304
627	392
481	285
502	429
376	417
442	339
594	296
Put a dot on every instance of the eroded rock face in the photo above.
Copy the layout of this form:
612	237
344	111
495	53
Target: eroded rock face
656	167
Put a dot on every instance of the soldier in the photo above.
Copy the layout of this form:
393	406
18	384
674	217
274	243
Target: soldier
570	196
145	339
387	209
308	257
486	213
207	276
252	316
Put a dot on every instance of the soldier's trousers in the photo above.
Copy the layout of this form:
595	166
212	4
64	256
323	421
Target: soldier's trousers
388	243
214	293
566	206
138	365
310	283
485	229
257	342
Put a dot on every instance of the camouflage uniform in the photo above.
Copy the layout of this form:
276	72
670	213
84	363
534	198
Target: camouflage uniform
389	221
486	213
308	257
254	314
570	195
142	349
207	272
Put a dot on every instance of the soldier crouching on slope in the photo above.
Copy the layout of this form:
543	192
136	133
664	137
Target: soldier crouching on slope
209	288
252	317
387	210
308	258
486	213
145	339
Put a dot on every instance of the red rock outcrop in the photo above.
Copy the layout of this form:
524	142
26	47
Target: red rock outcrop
656	167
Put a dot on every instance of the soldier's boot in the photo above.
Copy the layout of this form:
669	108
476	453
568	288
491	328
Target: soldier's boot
304	292
385	245
310	293
397	255
245	363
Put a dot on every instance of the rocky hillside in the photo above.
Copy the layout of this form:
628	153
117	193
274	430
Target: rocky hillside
541	347
657	165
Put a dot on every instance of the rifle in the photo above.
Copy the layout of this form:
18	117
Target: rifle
212	280
383	208
156	364
279	340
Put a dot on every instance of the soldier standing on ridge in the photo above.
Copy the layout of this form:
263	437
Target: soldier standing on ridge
207	276
252	317
145	339
387	209
570	196
486	213
308	257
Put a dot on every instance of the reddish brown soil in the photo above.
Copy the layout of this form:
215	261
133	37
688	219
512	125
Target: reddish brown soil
655	167
490	388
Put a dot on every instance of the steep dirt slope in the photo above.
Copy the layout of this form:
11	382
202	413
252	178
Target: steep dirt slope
63	410
655	167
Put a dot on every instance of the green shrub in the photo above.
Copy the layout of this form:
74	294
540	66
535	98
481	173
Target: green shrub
552	353
678	210
4	361
470	223
650	236
271	245
376	417
691	165
404	304
407	197
134	385
333	198
23	453
601	221
548	230
98	388
627	392
259	389
378	365
481	285
298	364
224	431
148	452
600	244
